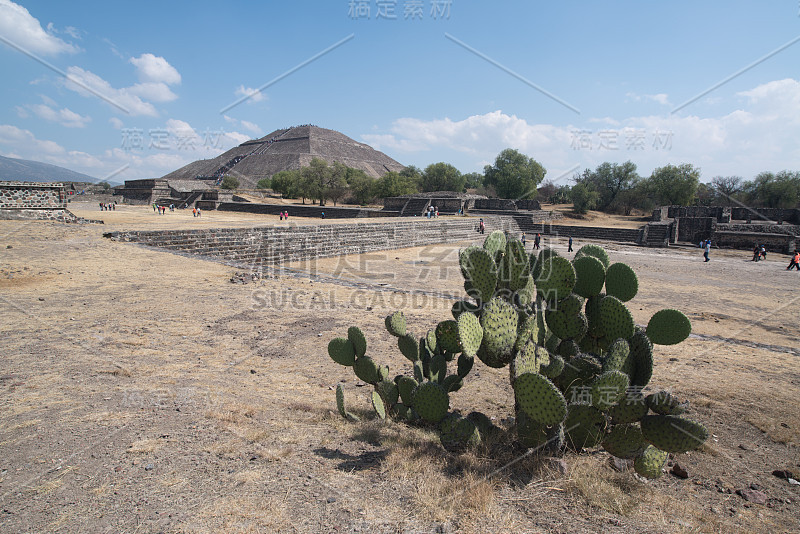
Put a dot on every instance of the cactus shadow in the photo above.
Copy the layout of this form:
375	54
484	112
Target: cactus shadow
351	462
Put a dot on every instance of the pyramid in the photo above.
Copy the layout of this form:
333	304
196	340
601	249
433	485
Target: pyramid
285	149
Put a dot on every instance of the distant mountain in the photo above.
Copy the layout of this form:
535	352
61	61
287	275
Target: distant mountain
34	171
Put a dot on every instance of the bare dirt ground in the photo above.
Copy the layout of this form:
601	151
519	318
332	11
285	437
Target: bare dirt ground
142	391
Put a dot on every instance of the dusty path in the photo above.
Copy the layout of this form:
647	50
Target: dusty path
141	391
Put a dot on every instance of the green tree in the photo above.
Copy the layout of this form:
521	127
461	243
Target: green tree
104	185
675	185
229	182
442	177
583	198
336	187
514	175
286	183
770	190
393	184
362	187
318	180
264	183
637	196
474	180
727	188
609	180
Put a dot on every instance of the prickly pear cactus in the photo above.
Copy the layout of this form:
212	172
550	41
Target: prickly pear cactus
578	363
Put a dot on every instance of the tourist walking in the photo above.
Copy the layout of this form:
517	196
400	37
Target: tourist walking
570	244
537	240
763	252
707	249
795	262
523	239
756	253
481	226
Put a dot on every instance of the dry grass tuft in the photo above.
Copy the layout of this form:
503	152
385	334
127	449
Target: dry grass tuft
777	431
144	446
604	488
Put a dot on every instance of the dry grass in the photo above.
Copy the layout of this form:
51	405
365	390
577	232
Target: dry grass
604	488
145	446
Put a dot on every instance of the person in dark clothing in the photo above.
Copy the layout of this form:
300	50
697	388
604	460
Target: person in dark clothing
795	262
537	240
570	244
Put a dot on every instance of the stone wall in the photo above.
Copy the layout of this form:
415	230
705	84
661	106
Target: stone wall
32	195
59	215
331	212
791	216
293	243
694	229
781	243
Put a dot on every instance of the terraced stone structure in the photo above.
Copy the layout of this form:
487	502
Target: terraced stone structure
287	149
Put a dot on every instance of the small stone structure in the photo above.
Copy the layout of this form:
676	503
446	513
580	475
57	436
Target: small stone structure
32	195
36	200
451	202
727	227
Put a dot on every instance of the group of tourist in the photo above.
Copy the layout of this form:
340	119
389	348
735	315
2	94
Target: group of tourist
284	215
795	261
433	212
705	244
111	206
759	252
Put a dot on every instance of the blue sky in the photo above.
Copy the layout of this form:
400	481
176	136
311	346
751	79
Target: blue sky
136	90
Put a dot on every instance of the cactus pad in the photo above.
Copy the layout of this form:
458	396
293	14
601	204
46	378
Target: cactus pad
565	325
554	368
529	360
340	403
616	319
447	336
630	408
621	282
540	398
641	359
495	243
650	463
590	275
618	357
388	391
668	327
356	337
458	434
405	386
608	389
672	433
377	403
342	351
665	403
396	323
462	306
499	321
480	273
430	401
409	346
470	333
625	441
556	279
596	251
367	370
585	426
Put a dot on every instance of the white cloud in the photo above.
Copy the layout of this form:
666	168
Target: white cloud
125	97
659	98
116	123
23	29
759	136
247	125
24	142
155	91
64	116
254	94
151	68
